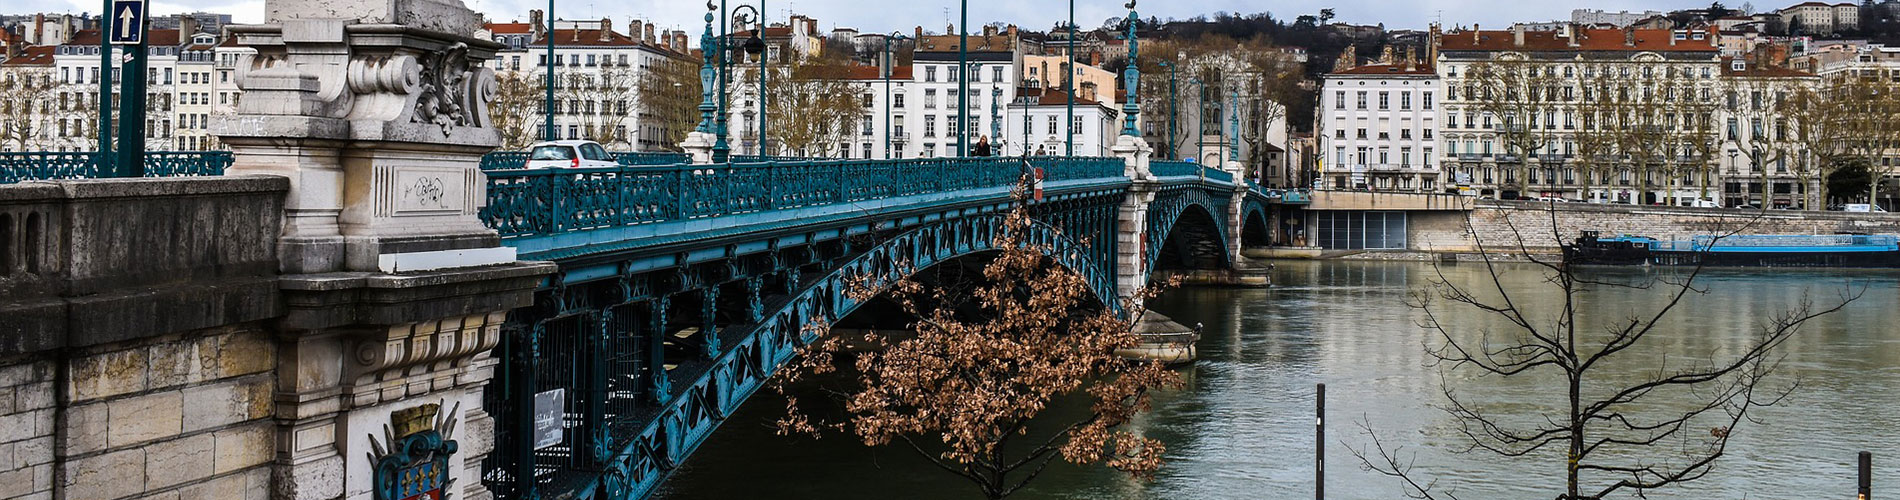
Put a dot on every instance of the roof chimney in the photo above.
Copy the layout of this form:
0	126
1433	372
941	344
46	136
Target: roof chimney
1476	34
534	19
1629	36
39	29
920	34
606	29
1672	37
1431	47
649	33
634	29
989	30
1517	34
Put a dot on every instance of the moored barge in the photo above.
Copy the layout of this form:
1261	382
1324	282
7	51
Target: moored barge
1763	250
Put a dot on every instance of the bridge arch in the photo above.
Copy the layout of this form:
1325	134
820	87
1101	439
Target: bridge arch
693	412
1190	228
1255	225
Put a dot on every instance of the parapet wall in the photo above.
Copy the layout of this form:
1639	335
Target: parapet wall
1541	227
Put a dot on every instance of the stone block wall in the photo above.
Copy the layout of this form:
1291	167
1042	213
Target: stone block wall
1501	224
169	417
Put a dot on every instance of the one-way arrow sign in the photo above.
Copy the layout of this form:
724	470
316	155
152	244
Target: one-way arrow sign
128	22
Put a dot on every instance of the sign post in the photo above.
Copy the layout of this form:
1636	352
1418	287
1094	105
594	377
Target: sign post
127	21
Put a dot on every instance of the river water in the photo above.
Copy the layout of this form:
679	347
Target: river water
1243	426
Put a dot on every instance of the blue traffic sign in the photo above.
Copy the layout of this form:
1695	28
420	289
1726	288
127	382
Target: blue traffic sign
128	22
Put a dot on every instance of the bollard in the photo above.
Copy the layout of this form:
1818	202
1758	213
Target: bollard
1866	475
1319	445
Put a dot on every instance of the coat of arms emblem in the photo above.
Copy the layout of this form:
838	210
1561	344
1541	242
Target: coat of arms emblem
415	463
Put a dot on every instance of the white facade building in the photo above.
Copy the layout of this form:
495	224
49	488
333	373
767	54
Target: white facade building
1377	128
1033	125
598	72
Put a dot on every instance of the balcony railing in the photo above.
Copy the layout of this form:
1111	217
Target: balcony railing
31	166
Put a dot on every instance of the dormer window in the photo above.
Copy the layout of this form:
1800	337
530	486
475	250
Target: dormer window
1738	66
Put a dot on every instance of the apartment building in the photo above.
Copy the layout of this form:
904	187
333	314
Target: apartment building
598	72
1377	127
1528	114
1821	18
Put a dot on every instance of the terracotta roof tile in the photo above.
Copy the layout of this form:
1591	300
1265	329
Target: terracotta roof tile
510	28
33	56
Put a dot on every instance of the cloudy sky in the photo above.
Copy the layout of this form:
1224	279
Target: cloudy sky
1033	13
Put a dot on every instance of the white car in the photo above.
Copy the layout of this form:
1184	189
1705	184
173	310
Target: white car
569	154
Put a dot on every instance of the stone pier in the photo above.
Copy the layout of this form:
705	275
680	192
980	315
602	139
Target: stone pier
315	325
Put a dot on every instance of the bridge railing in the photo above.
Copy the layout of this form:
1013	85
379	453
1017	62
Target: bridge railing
524	202
507	160
48	165
1175	168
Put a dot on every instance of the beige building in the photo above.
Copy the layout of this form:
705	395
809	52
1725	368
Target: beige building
1820	18
1581	74
1092	83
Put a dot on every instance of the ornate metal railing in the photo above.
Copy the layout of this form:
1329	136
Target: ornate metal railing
525	202
45	165
1174	168
503	160
509	160
656	158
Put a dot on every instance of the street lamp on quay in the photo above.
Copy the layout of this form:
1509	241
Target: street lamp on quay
890	66
722	150
1132	75
547	107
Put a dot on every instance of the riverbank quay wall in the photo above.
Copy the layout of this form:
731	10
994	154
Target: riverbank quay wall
1543	227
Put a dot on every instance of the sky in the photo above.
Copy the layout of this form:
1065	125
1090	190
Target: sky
1036	14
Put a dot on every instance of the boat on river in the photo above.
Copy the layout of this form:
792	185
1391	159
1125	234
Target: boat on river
1749	250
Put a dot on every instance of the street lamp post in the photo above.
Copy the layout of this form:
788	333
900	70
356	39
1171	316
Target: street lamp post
547	106
722	150
707	46
1130	110
963	86
890	66
1068	87
758	33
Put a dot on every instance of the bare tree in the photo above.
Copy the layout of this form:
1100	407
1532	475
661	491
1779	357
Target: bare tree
813	107
1665	426
1824	132
599	102
1871	102
1521	95
516	108
1758	127
26	105
669	96
964	389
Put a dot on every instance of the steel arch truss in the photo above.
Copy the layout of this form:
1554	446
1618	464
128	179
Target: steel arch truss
1165	212
628	423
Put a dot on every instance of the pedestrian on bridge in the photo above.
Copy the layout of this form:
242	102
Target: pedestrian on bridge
982	147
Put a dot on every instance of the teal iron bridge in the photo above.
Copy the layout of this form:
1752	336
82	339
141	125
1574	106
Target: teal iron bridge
682	288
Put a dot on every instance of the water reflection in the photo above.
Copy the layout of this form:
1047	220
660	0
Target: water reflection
1243	426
